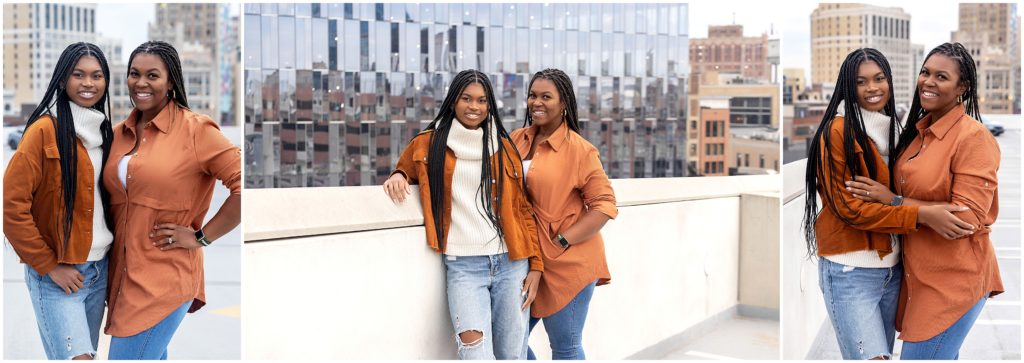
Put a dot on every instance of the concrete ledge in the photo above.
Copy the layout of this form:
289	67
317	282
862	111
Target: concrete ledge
793	175
290	212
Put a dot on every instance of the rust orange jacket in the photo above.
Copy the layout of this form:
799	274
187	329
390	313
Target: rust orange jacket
516	212
33	213
871	222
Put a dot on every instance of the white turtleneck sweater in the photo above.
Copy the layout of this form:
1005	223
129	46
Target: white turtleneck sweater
876	125
87	127
470	234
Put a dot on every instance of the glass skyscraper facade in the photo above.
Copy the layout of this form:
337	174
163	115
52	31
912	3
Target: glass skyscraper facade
334	92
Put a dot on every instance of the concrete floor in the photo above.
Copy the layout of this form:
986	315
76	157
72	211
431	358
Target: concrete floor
759	339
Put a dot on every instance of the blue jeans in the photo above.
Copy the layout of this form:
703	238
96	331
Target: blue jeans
485	295
69	324
565	328
946	345
150	344
861	303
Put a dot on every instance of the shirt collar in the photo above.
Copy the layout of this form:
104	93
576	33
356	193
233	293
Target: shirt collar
556	139
941	127
162	121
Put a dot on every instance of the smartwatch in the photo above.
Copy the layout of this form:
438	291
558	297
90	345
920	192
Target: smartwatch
897	201
562	241
201	238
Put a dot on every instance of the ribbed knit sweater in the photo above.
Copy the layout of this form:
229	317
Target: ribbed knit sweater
87	127
471	233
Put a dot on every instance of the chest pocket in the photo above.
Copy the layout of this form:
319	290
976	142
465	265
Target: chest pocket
164	211
52	166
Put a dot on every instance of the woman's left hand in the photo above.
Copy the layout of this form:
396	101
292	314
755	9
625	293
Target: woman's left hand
530	287
867	189
169	235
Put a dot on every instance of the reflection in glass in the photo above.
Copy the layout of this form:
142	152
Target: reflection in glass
333	92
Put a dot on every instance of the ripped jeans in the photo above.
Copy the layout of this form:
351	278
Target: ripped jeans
69	324
861	303
485	296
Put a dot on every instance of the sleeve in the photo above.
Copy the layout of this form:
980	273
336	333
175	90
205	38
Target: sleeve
869	216
406	166
22	179
974	167
594	185
217	155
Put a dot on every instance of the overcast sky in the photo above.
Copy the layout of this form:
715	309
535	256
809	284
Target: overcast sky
756	16
930	25
130	22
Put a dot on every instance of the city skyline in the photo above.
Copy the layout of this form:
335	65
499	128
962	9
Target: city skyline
930	26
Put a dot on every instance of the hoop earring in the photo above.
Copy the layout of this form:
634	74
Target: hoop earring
959	99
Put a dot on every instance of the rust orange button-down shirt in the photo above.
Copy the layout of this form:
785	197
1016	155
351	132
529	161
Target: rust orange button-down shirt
954	159
170	179
565	180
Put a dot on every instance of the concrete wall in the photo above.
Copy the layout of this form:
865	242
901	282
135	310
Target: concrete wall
344	273
759	255
804	310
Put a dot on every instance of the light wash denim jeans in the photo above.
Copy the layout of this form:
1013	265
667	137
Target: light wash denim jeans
69	324
945	345
150	344
861	303
565	328
485	295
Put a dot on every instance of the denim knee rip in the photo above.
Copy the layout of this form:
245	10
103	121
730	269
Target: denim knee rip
463	345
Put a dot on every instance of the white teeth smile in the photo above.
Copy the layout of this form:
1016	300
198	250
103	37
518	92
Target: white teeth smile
929	94
87	95
143	96
873	99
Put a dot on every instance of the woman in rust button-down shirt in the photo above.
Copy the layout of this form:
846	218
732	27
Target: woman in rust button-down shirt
945	155
163	165
572	199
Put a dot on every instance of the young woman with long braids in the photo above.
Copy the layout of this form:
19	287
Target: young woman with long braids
55	208
477	216
859	269
572	200
945	156
163	164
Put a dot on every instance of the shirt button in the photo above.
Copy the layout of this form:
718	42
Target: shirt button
129	176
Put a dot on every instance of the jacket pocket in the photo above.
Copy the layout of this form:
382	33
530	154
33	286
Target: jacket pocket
52	167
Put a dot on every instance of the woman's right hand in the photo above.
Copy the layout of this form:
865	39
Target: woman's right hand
67	277
396	187
941	219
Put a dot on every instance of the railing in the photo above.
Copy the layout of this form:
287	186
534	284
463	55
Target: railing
344	273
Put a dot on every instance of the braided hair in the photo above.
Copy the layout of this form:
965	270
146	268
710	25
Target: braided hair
490	198
565	91
820	153
56	95
968	78
166	52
